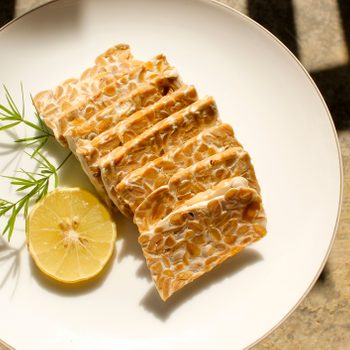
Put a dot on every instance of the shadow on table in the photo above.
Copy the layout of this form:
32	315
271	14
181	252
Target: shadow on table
278	17
334	83
162	310
7	11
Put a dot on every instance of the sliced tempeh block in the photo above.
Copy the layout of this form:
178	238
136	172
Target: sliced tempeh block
53	104
156	141
192	180
168	105
121	86
202	233
101	125
90	152
139	122
140	183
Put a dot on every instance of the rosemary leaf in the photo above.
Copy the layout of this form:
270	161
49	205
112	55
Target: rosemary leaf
8	126
10	117
33	138
26	206
32	186
39	147
23	104
37	183
4	109
11	102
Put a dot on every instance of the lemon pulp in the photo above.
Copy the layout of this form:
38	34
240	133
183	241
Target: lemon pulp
70	235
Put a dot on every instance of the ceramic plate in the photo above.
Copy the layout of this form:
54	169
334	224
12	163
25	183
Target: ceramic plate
278	115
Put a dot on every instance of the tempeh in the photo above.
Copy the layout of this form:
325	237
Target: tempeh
156	141
90	152
192	180
140	183
54	104
120	86
202	233
163	157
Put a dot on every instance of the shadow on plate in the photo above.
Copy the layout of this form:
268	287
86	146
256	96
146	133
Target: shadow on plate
16	159
143	272
162	310
70	290
71	174
10	262
128	237
11	148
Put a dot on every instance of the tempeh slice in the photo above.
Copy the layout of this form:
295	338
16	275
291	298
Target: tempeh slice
156	141
170	104
192	180
139	122
202	233
121	86
103	127
53	104
89	154
140	183
92	151
146	94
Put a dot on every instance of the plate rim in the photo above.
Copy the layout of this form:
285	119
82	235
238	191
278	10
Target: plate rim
330	120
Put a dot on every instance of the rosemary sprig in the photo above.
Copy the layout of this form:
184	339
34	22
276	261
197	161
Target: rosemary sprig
11	115
33	186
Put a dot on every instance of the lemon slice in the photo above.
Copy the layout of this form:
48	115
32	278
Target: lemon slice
70	235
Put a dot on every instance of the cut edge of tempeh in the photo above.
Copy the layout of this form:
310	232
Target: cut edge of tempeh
51	104
108	57
194	179
116	136
90	153
88	134
202	233
156	141
140	183
87	159
120	86
125	108
111	57
232	162
192	110
169	104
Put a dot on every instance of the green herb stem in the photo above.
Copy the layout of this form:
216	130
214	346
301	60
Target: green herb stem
38	185
11	116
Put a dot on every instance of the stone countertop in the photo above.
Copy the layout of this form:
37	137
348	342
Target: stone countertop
318	33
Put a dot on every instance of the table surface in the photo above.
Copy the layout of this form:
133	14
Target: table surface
318	33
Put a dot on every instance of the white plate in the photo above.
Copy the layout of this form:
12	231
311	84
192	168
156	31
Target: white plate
278	115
